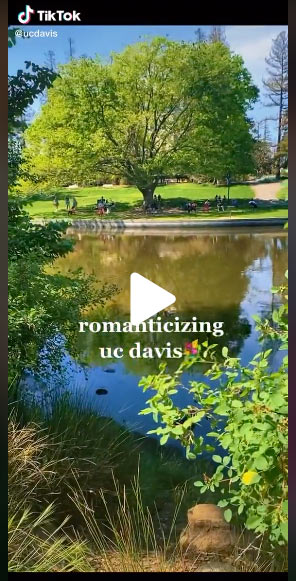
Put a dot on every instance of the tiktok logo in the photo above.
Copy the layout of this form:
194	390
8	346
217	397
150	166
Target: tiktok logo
25	17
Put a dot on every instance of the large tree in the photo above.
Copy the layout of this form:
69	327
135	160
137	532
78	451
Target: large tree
23	88
156	108
277	85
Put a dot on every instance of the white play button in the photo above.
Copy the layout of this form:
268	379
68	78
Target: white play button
146	298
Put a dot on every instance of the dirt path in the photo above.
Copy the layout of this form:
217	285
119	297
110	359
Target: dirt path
266	191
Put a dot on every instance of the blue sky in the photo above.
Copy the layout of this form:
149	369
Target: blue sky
253	43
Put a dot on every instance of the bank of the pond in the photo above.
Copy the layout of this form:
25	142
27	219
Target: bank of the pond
163	224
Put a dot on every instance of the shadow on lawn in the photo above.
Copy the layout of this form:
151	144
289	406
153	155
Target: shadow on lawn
169	207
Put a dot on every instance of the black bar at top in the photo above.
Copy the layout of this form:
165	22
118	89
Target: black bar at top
120	13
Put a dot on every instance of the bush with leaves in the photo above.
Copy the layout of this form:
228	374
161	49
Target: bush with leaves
41	303
248	416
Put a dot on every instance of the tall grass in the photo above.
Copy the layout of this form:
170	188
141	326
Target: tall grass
129	540
78	500
33	548
80	444
35	543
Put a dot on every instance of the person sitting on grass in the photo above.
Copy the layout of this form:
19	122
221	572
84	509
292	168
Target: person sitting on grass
253	204
206	206
100	208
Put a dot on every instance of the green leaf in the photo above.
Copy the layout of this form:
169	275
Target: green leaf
198	483
222	503
226	460
178	430
284	530
253	521
226	440
190	456
163	440
145	412
261	463
236	403
228	514
256	318
240	508
225	351
217	459
222	409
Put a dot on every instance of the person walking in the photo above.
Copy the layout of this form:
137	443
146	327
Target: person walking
56	202
67	203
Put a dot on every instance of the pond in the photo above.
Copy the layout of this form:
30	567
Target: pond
215	274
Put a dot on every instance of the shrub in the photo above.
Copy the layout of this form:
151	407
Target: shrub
248	417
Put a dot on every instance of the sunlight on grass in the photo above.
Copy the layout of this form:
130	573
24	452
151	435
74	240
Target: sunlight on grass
128	203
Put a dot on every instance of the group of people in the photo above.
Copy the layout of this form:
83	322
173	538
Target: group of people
103	206
192	206
71	208
155	204
220	203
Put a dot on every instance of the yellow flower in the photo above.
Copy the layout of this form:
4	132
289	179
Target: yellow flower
249	477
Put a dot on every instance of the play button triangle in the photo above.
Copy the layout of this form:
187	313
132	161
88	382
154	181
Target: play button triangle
146	298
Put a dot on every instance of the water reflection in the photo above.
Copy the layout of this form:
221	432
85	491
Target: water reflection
216	275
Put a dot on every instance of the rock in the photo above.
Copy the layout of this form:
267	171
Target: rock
215	567
207	531
101	391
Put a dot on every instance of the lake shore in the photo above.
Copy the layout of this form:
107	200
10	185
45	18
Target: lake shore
164	224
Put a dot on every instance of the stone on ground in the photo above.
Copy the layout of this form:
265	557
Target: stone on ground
207	531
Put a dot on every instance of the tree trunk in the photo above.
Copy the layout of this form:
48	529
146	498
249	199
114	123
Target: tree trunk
278	165
148	194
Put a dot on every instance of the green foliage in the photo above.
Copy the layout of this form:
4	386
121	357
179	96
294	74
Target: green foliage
248	417
42	304
158	107
263	158
23	88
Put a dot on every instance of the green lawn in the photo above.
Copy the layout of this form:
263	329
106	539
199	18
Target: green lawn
128	202
283	192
